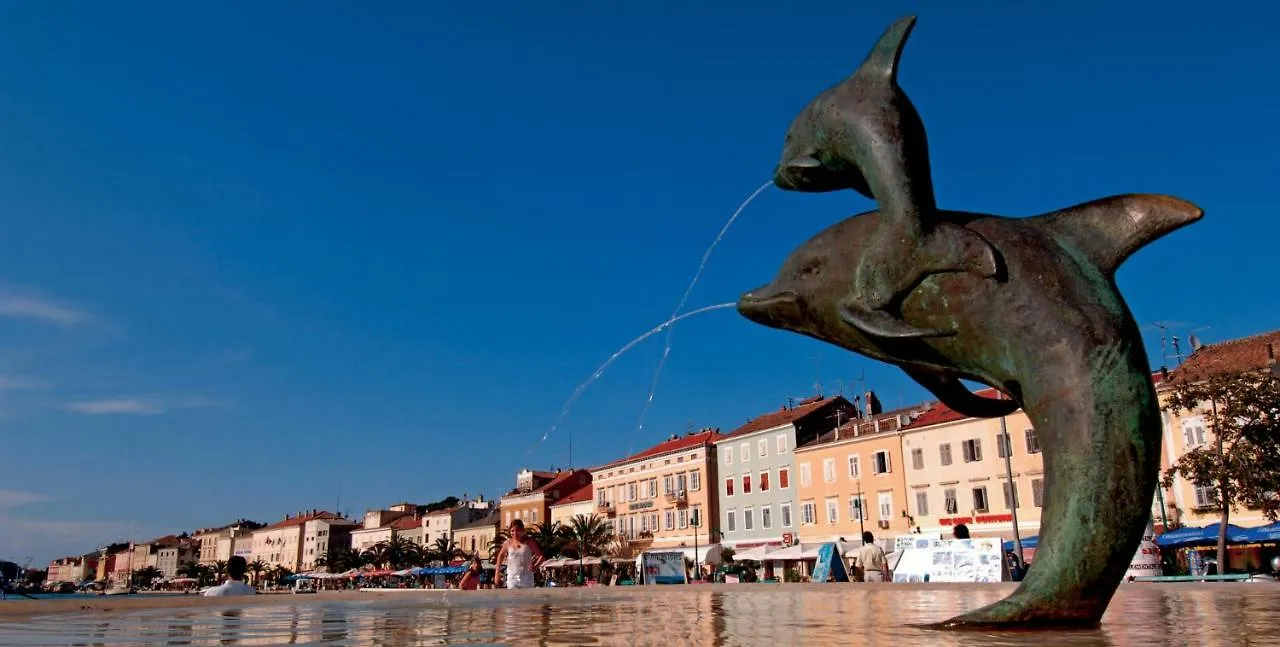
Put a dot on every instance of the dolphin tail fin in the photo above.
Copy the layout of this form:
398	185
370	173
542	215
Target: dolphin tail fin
1110	230
883	59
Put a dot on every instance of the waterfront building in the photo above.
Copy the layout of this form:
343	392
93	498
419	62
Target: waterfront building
852	480
757	471
475	537
72	569
535	493
381	525
217	544
578	502
1185	502
170	556
663	496
322	534
281	543
442	524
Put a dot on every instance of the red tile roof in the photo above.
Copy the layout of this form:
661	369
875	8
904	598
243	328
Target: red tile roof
562	480
299	520
577	496
1235	356
407	522
782	417
676	444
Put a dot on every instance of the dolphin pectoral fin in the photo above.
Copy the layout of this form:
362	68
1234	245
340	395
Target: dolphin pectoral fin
879	323
952	248
951	392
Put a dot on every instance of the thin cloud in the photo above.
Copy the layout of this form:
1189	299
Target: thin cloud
17	498
27	307
21	383
116	406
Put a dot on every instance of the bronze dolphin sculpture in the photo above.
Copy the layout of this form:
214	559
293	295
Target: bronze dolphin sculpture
865	134
1049	329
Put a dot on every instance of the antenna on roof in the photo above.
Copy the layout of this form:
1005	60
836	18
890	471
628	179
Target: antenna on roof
1164	353
817	373
1177	351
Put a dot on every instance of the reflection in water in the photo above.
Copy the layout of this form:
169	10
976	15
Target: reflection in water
1142	615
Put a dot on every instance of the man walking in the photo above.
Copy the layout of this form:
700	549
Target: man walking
871	561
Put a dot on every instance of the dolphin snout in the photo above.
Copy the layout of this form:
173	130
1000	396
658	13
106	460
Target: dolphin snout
770	307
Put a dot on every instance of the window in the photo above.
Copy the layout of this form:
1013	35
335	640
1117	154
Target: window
806	478
730	521
1204	496
765	521
666	484
829	470
601	496
885	499
695	480
682	483
855	466
653	488
856	506
1010	495
1037	492
972	450
785	510
808	513
671	520
833	506
880	463
631	491
764	481
1193	432
728	456
744	453
683	516
1004	445
922	504
949	501
980	499
747	522
763	447
782	444
644	523
1033	441
944	454
728	486
784	481
695	517
653	521
917	459
746	484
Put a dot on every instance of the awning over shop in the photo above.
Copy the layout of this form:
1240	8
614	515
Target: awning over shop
1027	542
1202	536
756	554
1262	534
709	554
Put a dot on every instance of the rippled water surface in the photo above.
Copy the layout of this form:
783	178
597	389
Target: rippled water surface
1225	614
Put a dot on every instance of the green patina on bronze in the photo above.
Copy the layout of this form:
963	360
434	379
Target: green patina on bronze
1026	305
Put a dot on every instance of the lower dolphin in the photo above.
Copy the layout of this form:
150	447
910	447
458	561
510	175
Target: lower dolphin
1057	337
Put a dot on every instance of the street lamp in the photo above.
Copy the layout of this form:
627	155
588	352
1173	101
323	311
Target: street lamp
1007	445
693	523
862	511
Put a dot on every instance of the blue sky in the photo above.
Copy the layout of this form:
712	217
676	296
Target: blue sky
252	250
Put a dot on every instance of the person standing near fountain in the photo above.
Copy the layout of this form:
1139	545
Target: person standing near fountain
522	556
236	568
871	560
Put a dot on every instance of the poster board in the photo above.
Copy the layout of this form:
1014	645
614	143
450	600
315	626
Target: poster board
952	560
664	568
830	563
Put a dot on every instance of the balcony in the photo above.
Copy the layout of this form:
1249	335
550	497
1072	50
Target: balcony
678	497
606	507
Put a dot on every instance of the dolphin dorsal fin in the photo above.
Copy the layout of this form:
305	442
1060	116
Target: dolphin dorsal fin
883	59
1109	230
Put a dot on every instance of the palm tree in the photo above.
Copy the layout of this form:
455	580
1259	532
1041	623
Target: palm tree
257	567
588	535
548	537
443	550
401	553
499	538
144	576
219	568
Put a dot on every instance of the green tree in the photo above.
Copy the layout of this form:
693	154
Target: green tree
443	550
257	567
587	535
220	568
1241	466
549	537
143	577
495	545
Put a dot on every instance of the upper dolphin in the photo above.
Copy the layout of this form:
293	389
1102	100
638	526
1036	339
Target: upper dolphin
865	134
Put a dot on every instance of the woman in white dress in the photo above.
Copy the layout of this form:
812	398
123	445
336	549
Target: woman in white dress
521	555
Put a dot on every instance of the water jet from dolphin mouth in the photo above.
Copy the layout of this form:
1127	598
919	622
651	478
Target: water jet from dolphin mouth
577	393
666	344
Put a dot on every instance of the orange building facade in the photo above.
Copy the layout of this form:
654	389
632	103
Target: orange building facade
664	496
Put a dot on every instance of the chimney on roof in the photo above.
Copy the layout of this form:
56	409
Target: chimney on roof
873	406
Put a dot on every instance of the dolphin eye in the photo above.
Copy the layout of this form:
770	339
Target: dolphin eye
812	268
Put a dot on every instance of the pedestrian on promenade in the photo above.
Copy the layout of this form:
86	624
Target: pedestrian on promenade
871	560
236	568
522	557
961	531
471	579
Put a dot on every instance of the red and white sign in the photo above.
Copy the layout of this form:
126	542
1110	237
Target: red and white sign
788	539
